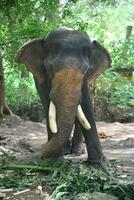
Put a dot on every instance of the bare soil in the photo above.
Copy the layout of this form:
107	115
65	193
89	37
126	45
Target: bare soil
24	139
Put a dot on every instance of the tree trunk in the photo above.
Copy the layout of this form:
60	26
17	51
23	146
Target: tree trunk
4	109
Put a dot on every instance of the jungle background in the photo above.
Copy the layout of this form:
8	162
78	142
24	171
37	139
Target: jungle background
108	21
111	22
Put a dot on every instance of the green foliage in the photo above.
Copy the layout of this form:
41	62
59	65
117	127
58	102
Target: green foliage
107	21
20	91
123	95
79	181
122	53
24	20
66	180
125	192
118	91
11	180
21	21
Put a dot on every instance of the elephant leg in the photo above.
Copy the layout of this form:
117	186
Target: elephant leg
94	149
43	90
67	147
75	145
77	140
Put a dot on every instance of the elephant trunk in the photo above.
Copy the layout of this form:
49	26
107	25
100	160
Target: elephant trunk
65	95
55	147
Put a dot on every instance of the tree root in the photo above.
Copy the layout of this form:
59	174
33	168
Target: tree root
4	111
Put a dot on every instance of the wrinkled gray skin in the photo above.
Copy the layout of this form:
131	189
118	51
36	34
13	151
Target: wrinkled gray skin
63	65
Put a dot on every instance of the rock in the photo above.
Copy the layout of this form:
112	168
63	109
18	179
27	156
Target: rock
95	196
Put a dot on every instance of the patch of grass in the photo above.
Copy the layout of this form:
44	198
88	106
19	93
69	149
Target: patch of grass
5	157
65	178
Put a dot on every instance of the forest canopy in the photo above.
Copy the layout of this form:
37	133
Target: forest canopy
110	22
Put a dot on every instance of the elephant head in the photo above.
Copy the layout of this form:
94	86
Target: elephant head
63	61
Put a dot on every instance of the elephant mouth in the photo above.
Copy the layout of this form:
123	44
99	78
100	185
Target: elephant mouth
79	114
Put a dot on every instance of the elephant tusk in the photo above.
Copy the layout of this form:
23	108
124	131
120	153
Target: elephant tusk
82	118
52	117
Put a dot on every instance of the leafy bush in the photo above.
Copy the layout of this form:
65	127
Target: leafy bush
115	89
20	91
123	95
122	53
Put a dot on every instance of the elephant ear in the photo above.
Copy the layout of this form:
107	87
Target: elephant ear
99	61
32	55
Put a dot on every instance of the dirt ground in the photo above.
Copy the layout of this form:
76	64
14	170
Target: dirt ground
24	139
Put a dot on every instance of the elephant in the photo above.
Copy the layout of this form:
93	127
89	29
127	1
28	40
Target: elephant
63	66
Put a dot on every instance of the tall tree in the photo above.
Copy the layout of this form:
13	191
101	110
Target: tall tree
4	109
21	21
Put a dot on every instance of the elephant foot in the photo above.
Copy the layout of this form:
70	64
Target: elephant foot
78	149
50	152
